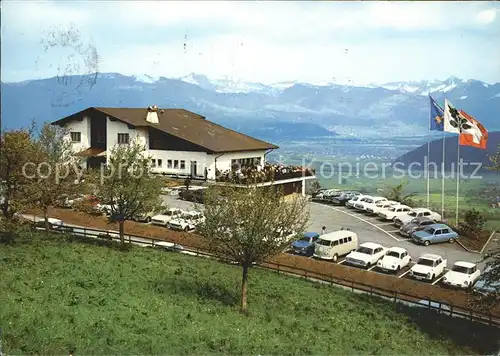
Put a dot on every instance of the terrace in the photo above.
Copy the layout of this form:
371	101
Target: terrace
268	173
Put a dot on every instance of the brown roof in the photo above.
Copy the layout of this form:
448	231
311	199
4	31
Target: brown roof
186	125
91	152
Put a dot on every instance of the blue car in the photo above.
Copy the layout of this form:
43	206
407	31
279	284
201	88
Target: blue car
305	245
484	286
434	233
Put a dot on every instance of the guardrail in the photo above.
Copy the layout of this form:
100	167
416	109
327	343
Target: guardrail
395	296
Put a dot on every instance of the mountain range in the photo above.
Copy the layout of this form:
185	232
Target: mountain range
291	110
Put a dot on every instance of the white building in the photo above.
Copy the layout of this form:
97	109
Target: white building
179	142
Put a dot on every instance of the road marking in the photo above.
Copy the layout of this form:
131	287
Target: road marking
369	269
393	231
365	221
386	223
440	278
404	274
339	263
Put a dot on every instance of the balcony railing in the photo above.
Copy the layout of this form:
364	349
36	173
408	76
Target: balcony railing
269	173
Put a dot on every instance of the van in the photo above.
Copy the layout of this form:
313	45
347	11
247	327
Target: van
334	244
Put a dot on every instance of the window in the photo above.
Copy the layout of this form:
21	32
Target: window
123	138
176	164
445	231
169	163
349	239
153	162
427	213
76	137
159	162
335	243
438	232
183	164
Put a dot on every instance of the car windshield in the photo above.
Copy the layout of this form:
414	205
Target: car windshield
381	204
412	213
304	238
392	209
430	230
393	254
365	250
461	269
324	242
425	262
369	201
414	221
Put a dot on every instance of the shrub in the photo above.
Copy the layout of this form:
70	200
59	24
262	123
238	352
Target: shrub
473	223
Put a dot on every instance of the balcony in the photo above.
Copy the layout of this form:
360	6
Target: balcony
268	173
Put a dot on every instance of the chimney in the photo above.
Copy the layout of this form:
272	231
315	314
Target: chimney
152	115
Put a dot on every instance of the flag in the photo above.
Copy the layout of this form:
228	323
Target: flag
474	133
436	116
452	118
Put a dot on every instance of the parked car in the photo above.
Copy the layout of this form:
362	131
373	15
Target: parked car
395	259
370	203
343	198
416	213
381	205
332	245
394	212
350	204
166	216
485	285
360	204
329	194
416	224
428	267
187	221
366	255
55	225
434	234
305	245
316	193
145	217
462	275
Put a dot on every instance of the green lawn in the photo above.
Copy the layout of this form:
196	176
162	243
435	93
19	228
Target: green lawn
57	294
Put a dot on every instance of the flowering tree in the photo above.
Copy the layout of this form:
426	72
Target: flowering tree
248	225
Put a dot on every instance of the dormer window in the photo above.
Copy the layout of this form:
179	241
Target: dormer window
76	137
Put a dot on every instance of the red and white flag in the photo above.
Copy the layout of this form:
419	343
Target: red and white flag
474	134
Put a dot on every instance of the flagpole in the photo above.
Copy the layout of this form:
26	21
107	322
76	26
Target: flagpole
442	176
458	178
428	174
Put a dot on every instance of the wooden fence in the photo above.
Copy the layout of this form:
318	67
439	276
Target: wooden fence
395	296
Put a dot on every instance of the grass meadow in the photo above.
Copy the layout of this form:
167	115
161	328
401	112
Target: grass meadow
59	294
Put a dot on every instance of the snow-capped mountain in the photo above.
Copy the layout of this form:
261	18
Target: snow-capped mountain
301	109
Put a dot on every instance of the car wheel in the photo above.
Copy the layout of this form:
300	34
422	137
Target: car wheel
368	265
148	219
186	229
426	243
335	258
398	269
433	276
452	240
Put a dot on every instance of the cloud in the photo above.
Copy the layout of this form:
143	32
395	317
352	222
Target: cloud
486	16
265	41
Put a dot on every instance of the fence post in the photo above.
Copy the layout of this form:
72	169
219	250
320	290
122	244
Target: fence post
352	286
371	290
84	232
305	274
278	268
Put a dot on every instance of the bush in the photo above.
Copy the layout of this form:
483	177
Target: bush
196	196
473	223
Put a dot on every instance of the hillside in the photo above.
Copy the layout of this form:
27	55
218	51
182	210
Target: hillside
399	108
63	296
467	154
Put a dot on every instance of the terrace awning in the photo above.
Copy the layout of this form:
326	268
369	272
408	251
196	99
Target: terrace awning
92	152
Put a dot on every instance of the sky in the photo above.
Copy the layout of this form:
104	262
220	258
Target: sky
266	42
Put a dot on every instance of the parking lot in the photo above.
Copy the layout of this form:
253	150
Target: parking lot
369	229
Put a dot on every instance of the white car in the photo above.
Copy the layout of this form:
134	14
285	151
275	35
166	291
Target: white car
416	213
163	219
428	267
462	275
360	204
350	204
366	255
381	205
370	203
395	259
394	212
187	221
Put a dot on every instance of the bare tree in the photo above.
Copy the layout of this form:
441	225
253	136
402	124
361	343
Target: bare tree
127	185
17	148
54	172
248	225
